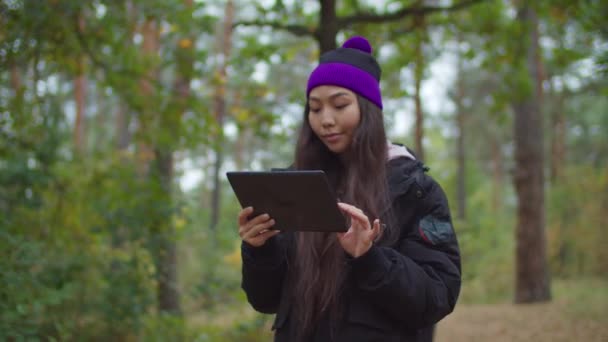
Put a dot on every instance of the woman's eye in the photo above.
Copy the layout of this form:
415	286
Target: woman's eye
341	106
314	110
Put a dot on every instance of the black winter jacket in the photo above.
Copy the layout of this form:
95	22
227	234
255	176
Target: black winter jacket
392	293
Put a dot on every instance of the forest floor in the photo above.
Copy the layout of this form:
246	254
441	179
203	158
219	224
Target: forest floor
576	313
512	323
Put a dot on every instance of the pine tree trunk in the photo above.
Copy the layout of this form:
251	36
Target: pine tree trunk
460	144
80	85
220	109
166	256
158	161
558	135
418	77
497	174
17	86
328	28
532	275
241	139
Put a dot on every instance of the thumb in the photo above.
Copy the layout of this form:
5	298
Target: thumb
376	229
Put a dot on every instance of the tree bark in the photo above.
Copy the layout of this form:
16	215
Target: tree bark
328	26
220	109
497	174
123	116
166	256
80	85
241	139
460	144
418	77
17	86
558	135
532	275
158	161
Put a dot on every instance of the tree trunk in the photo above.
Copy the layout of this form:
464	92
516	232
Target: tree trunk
150	47
80	85
123	116
418	77
460	145
220	108
328	28
497	174
241	139
123	119
17	86
558	135
166	256
122	139
532	275
159	163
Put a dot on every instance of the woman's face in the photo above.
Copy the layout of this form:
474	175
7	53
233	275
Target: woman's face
334	116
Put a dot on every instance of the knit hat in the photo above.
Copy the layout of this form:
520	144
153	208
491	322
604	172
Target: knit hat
352	67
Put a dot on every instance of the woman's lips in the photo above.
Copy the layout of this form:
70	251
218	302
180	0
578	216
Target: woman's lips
332	138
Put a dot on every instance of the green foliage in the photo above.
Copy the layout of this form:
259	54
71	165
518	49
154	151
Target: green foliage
585	297
575	220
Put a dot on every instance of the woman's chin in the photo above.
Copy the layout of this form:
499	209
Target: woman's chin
335	149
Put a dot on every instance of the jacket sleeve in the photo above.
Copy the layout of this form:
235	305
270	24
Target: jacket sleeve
416	283
263	272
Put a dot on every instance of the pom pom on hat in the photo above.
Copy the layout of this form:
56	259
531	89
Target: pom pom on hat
359	43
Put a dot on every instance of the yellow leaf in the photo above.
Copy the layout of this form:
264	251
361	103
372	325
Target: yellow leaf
185	43
179	223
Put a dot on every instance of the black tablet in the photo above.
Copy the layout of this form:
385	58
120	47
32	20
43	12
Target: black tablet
296	200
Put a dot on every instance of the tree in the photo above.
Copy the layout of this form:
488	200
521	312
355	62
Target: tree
532	273
330	23
461	116
219	101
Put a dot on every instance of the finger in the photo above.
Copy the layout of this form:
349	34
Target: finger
259	229
258	220
354	212
260	239
244	214
376	229
361	219
347	206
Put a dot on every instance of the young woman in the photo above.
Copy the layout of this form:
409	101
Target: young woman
396	271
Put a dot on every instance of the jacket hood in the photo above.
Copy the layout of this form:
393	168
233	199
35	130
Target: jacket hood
395	151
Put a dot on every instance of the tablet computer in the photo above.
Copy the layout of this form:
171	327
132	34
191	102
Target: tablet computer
296	200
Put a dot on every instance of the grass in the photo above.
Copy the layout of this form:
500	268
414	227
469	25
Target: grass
577	312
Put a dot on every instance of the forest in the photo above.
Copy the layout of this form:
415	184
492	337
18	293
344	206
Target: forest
120	119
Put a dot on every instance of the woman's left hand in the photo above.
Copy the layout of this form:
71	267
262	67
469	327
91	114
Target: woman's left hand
360	236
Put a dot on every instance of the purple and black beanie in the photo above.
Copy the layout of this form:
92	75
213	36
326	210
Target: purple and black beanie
352	67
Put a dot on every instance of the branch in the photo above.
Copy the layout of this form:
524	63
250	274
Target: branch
363	17
298	30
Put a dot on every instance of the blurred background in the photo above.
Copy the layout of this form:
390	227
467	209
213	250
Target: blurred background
119	119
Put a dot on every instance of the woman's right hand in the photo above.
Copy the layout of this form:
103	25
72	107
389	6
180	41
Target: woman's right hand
257	230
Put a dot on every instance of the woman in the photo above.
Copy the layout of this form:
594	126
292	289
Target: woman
390	279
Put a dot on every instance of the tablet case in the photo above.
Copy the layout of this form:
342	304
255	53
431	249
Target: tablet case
296	200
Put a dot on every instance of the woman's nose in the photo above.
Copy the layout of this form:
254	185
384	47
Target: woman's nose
327	118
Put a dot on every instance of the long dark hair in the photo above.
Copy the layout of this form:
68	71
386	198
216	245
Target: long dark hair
319	263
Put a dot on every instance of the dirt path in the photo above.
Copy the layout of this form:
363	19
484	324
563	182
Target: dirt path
511	323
